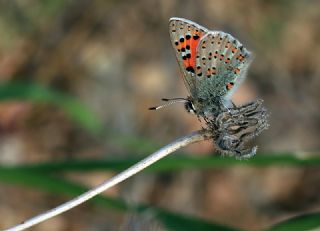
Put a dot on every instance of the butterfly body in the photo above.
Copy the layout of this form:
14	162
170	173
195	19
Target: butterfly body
213	64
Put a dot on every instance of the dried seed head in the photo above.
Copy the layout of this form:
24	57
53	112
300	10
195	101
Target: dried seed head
234	127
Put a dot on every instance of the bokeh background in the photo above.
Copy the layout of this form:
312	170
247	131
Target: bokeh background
115	58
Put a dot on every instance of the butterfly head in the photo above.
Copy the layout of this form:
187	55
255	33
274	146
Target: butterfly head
189	106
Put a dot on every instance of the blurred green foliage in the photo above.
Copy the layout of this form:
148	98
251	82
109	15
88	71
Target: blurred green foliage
177	163
39	176
57	186
35	93
304	222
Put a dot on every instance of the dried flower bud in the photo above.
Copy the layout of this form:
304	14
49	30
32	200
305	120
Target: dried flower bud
234	127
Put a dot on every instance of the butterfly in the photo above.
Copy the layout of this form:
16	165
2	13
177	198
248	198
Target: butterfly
213	65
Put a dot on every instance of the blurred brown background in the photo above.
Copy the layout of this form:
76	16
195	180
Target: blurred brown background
116	57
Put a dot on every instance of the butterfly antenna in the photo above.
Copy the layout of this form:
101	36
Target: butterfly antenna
170	102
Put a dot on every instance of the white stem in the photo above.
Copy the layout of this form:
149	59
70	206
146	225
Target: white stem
166	150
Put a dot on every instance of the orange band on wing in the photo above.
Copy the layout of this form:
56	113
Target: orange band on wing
190	44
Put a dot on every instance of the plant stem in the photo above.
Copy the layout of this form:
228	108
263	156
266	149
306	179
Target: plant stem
166	150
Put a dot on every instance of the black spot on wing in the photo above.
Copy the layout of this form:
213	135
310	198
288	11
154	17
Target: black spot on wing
190	69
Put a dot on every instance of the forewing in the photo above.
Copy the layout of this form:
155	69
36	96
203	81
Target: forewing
221	65
185	36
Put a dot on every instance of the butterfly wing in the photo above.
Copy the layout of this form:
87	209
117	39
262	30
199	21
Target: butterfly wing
185	36
221	65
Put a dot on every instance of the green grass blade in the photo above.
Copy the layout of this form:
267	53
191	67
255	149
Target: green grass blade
304	222
40	94
173	163
181	222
